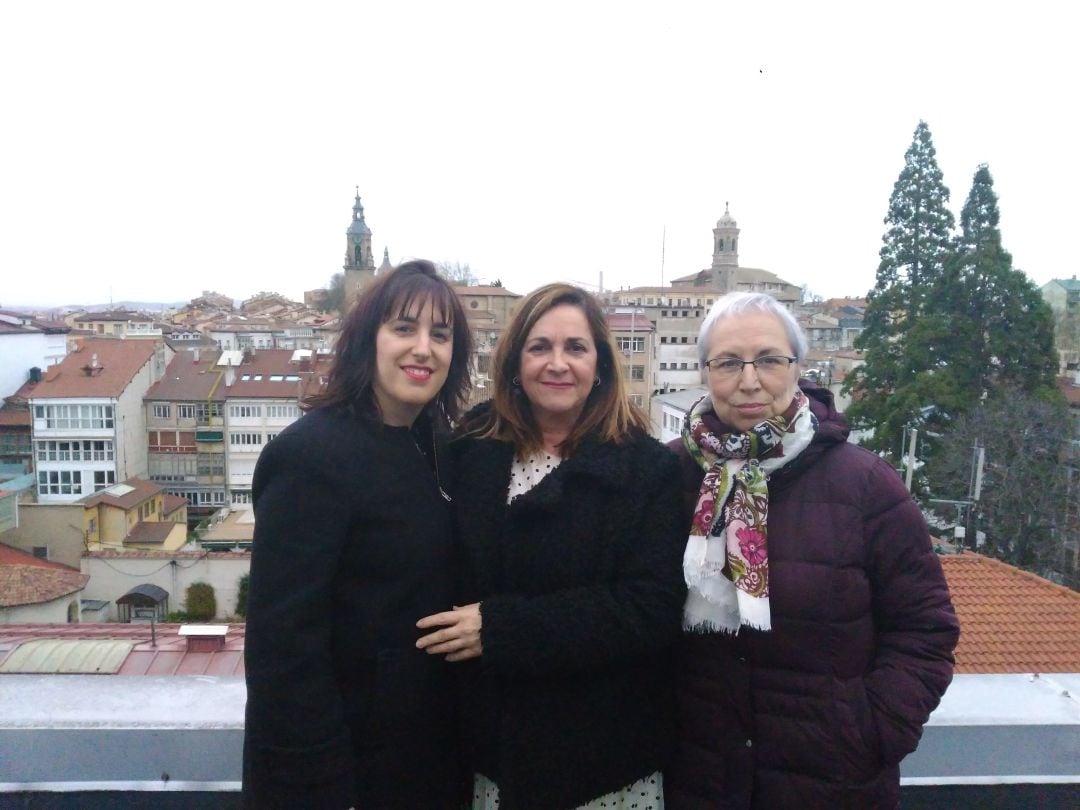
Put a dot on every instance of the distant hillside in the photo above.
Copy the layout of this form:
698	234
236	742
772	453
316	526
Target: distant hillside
140	306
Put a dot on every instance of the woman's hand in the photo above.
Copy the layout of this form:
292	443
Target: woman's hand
459	638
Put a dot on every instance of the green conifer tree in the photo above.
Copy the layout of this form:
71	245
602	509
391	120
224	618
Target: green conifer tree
990	325
888	391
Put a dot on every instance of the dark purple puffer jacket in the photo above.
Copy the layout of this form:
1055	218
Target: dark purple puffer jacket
818	712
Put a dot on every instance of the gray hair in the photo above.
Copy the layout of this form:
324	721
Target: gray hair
739	303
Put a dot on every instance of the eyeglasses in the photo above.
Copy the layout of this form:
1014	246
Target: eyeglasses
769	365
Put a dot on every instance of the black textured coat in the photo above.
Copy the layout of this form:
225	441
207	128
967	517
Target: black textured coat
353	544
818	712
582	590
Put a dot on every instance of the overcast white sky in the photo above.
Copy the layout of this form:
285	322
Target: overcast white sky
151	151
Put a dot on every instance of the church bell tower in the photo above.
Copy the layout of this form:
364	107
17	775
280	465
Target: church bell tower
725	259
359	264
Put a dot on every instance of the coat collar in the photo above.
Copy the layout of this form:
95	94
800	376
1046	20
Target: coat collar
489	461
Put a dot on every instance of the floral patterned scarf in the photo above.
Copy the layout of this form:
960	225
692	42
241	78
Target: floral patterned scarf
726	562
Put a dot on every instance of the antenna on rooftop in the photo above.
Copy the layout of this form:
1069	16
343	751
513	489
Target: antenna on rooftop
663	250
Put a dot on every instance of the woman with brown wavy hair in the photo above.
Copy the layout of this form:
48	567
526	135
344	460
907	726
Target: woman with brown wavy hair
569	523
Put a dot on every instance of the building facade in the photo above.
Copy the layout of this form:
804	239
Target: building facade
1063	296
186	431
88	421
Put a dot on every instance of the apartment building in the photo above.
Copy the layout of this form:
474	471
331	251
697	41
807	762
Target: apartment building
1063	297
28	346
134	515
676	316
267	333
120	323
262	393
88	422
185	421
634	337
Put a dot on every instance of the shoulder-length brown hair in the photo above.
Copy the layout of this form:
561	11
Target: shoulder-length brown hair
394	295
608	413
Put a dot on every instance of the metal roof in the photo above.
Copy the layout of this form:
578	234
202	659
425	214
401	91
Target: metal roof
52	656
145	591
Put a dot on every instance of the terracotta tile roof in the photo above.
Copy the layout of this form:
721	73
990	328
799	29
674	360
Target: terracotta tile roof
1011	620
150	532
189	380
15	418
265	363
28	580
169	657
170	503
118	360
140	491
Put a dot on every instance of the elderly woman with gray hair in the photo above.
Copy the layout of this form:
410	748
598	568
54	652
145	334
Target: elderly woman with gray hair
818	626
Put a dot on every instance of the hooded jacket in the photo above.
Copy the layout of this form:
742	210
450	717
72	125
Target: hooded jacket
819	711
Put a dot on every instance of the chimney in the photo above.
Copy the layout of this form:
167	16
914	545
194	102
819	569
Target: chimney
230	376
204	638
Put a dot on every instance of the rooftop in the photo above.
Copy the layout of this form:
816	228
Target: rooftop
81	375
15	418
624	321
272	373
160	651
29	580
150	532
190	376
125	495
1011	620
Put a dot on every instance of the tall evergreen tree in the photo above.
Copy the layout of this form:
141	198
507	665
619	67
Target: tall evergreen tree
989	324
916	247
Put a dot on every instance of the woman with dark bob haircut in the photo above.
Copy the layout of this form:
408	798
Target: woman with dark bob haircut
569	521
352	546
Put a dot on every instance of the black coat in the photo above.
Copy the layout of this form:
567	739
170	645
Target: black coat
582	591
352	545
817	713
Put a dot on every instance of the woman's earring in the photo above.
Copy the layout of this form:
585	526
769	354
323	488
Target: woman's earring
596	383
516	382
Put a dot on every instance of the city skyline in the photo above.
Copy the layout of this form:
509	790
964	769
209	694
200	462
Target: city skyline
159	152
